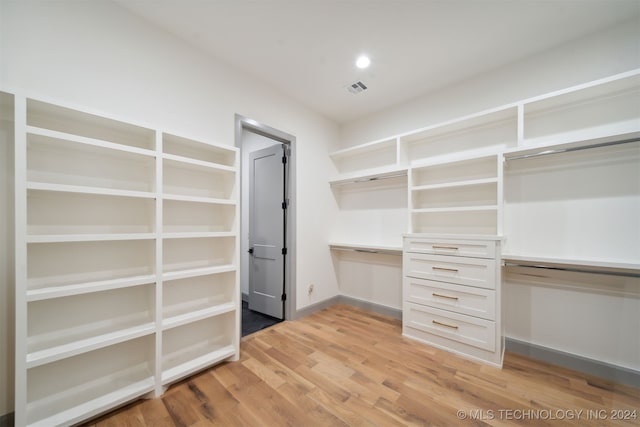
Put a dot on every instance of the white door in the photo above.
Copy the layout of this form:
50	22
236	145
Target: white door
267	216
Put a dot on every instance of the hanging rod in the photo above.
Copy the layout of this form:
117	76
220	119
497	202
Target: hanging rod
369	179
569	149
574	270
366	250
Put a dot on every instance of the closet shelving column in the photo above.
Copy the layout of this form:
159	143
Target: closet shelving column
200	303
368	162
577	161
457	197
604	108
455	177
375	168
85	269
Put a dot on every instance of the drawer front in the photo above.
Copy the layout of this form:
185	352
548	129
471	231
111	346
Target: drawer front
468	300
468	330
461	270
467	248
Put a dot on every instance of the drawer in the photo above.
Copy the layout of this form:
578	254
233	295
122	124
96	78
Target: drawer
478	272
468	330
467	248
468	300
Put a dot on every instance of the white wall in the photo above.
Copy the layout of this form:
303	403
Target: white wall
6	254
99	56
581	314
591	315
375	278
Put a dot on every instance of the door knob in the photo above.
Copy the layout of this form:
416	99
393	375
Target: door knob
250	250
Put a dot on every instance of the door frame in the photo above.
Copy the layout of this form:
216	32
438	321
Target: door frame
242	124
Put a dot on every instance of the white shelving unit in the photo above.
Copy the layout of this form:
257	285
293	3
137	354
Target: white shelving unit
604	108
486	132
368	162
126	261
455	168
457	197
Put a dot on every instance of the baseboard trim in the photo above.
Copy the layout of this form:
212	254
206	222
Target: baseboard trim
593	367
371	306
310	309
343	299
7	420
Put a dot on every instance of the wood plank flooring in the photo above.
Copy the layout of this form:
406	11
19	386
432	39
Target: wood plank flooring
347	367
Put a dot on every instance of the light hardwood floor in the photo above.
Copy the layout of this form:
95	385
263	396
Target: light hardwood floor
347	367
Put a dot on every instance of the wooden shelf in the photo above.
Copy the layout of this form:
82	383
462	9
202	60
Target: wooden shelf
98	405
198	234
80	189
194	272
369	176
181	147
63	162
469	183
87	124
582	264
187	161
196	364
90	383
456	209
62	238
193	316
82	288
196	199
189	347
367	159
74	348
32	130
595	110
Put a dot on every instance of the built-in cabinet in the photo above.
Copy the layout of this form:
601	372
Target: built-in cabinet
451	294
552	180
126	261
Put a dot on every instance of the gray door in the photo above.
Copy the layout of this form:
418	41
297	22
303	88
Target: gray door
267	216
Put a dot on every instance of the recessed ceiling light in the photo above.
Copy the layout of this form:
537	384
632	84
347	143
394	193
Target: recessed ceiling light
363	61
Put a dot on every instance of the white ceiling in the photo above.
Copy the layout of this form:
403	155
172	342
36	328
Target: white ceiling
307	48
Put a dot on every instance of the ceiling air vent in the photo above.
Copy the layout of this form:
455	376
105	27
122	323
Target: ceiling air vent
356	88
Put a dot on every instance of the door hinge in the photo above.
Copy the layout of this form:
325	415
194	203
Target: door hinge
284	251
285	204
284	159
284	297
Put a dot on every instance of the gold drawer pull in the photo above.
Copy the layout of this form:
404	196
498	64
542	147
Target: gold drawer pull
445	269
453	248
444	296
435	322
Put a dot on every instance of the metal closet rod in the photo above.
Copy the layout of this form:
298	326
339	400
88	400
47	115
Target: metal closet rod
567	150
373	178
573	270
368	251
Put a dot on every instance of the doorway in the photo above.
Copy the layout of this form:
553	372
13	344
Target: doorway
267	224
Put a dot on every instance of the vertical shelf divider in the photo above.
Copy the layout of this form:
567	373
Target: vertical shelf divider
20	123
159	388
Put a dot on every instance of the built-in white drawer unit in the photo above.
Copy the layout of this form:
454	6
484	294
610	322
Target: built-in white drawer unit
447	296
451	294
440	246
469	330
478	272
